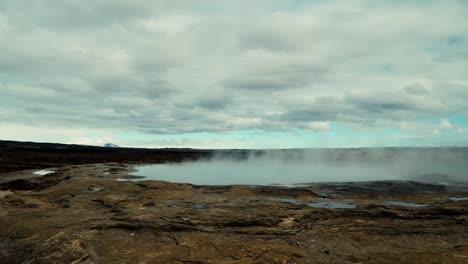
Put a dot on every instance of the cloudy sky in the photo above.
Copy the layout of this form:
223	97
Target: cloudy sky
235	74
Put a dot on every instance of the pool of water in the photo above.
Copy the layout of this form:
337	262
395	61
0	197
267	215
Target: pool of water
43	172
458	199
304	169
253	173
404	204
333	205
200	206
322	204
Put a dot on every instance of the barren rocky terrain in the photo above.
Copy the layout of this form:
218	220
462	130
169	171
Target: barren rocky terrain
81	214
97	213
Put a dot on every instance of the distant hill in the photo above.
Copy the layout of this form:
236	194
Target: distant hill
16	155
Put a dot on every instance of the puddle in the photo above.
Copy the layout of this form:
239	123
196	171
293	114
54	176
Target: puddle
458	199
331	205
128	179
200	206
95	189
43	172
325	204
404	204
286	200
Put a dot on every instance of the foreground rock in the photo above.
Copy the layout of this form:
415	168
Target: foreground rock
81	214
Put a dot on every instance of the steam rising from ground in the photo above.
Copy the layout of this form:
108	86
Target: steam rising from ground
308	166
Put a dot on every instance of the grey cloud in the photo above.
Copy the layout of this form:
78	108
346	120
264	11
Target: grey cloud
265	83
456	50
383	107
35	109
281	76
416	89
378	106
132	86
63	14
264	39
214	103
381	102
102	64
451	57
321	109
307	115
362	109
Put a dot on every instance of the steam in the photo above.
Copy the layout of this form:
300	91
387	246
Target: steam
431	165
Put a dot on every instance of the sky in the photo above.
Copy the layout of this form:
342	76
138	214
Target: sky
235	74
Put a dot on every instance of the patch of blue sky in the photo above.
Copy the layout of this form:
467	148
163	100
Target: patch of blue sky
339	135
458	119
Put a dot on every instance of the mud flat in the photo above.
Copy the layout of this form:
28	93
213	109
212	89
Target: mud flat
82	214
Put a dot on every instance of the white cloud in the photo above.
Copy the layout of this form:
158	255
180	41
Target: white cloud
317	126
176	67
445	124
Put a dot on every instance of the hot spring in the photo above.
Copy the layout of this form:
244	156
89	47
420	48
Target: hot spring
296	167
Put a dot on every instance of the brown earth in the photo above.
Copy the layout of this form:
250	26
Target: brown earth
81	214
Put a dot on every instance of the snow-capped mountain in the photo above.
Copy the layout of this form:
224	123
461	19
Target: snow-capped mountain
110	145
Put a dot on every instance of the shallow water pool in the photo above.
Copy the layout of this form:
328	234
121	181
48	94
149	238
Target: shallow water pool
458	199
404	204
43	172
304	169
322	204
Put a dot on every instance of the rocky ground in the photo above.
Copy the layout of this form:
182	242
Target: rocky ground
82	214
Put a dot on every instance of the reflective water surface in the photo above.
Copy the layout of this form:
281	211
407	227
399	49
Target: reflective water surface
43	172
322	204
458	199
306	166
404	204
